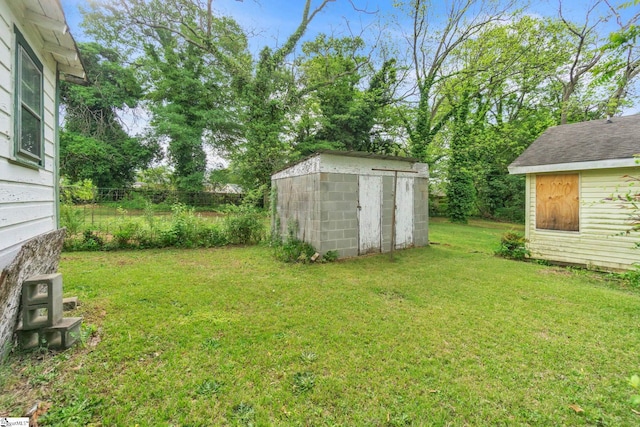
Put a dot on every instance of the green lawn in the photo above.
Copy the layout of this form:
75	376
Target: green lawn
445	335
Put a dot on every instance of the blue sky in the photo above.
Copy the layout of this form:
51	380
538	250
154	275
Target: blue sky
273	20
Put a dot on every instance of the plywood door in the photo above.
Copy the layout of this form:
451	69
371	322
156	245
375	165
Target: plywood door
404	212
369	213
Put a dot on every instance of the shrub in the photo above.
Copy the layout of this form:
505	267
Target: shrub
125	234
71	218
513	246
330	256
293	250
632	277
244	226
212	235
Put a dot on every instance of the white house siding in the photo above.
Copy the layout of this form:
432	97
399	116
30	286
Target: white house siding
601	241
27	196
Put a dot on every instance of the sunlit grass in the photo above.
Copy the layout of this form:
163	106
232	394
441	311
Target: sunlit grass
444	335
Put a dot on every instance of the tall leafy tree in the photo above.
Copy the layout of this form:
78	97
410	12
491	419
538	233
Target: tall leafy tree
500	109
268	95
264	89
189	56
431	47
347	97
94	144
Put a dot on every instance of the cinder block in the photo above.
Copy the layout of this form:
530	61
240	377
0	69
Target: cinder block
28	340
70	303
41	316
63	334
42	289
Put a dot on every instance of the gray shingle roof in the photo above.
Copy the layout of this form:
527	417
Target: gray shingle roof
584	142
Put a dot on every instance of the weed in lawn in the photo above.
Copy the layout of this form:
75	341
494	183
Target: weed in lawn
75	411
42	378
632	277
209	387
398	420
211	344
244	414
391	294
87	332
308	357
303	382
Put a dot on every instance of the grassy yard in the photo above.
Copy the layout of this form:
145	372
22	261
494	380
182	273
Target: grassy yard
444	335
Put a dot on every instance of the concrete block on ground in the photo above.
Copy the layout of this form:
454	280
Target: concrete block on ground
42	289
28	340
70	303
63	334
41	316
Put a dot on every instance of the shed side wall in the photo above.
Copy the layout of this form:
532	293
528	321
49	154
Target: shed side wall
27	196
298	206
601	241
421	212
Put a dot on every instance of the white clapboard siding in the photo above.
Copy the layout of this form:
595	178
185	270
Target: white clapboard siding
24	212
602	241
27	195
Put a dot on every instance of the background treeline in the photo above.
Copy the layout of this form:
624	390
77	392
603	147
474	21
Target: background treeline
466	93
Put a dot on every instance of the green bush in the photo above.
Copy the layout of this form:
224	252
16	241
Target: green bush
71	218
126	233
244	226
513	246
632	277
184	229
293	249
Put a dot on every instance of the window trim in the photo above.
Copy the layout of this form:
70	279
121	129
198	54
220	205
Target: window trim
22	156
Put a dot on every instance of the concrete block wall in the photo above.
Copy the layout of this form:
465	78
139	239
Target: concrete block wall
338	195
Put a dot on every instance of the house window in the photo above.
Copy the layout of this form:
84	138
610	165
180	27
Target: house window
28	103
557	202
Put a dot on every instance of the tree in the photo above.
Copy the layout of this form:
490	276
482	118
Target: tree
339	113
267	96
431	50
94	144
507	104
623	65
263	90
188	55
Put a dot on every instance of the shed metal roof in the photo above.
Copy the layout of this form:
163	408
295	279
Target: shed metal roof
592	144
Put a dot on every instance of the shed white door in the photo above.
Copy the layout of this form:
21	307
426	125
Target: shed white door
369	213
404	212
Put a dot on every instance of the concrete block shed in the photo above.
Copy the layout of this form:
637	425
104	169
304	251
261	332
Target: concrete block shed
343	201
